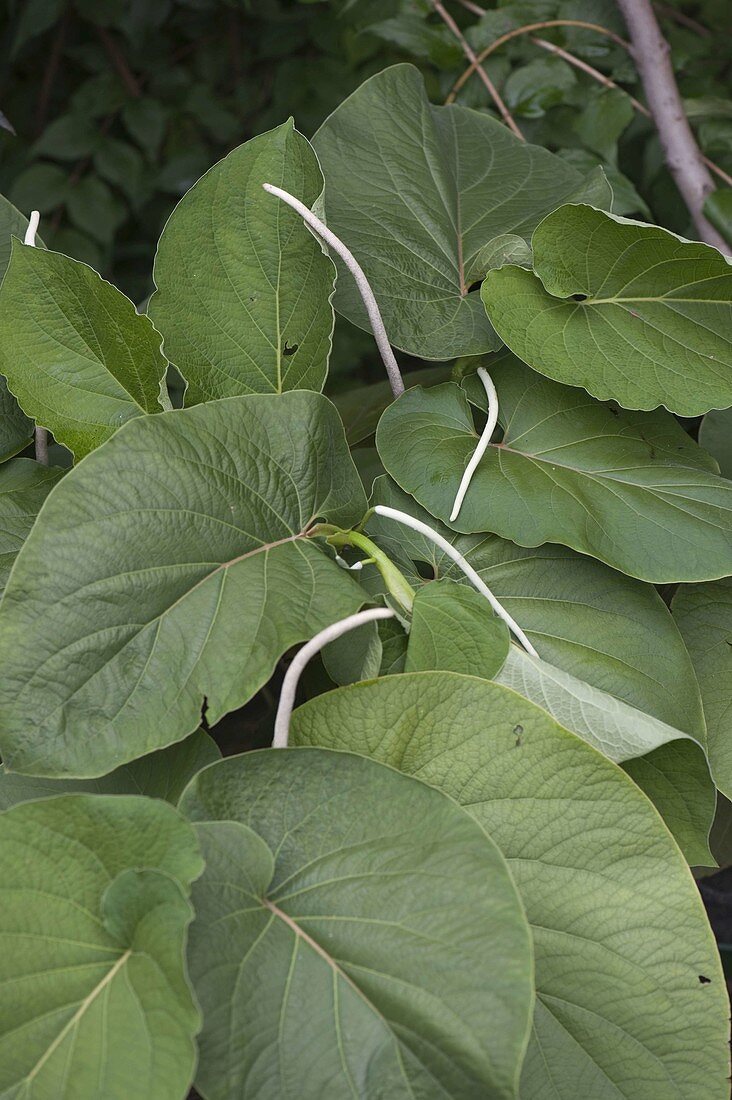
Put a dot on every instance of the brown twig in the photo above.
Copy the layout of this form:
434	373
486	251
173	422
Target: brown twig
40	439
120	63
652	57
527	29
683	20
475	64
474	8
49	77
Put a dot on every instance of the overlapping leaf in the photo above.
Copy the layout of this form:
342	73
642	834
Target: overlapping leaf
171	566
24	485
356	934
243	288
12	224
454	629
75	353
631	996
629	311
715	435
16	429
704	616
93	919
631	489
606	629
416	191
161	774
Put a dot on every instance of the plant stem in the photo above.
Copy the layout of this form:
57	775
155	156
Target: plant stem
397	584
652	56
294	672
465	566
483	442
477	67
527	29
40	435
367	294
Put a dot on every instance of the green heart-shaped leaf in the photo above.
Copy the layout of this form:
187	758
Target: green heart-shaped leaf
172	566
416	191
24	485
631	489
629	311
631	999
243	287
453	628
78	357
93	918
376	921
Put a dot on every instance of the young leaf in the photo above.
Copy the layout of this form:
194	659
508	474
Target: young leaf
377	923
161	774
629	311
631	998
243	287
92	932
630	489
602	627
703	613
453	628
172	566
24	485
416	191
75	353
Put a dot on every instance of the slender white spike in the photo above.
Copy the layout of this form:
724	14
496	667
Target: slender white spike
483	442
367	294
294	672
470	573
33	223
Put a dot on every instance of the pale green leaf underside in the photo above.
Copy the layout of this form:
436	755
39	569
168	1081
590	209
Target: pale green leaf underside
655	323
667	764
78	357
161	774
93	916
243	287
703	613
416	191
378	924
171	566
630	489
602	627
24	485
620	934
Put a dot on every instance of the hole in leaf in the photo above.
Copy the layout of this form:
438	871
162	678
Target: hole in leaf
703	980
426	570
290	349
579	297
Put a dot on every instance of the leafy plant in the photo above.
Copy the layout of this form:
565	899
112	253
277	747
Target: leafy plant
464	868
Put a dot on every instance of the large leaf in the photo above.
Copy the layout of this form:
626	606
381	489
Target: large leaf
631	995
170	567
24	485
93	920
376	924
609	630
629	311
361	407
244	288
631	489
415	191
704	616
453	628
75	353
161	774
